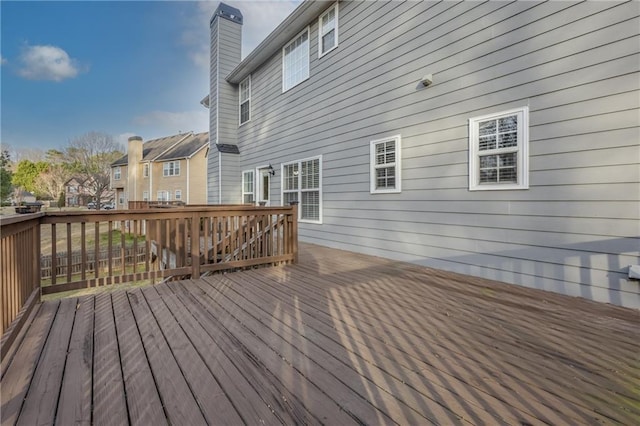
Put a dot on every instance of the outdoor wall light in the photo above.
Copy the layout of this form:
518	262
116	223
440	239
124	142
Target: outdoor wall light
427	80
271	171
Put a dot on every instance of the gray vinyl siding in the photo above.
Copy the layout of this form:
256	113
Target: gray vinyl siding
575	65
231	185
225	51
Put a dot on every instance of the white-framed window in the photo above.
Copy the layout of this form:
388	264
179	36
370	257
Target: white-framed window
295	61
117	173
163	196
177	195
385	165
171	168
302	182
328	30
248	182
245	100
498	150
145	170
121	197
145	195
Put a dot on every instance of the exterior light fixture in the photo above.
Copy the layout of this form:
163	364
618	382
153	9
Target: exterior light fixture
271	171
427	80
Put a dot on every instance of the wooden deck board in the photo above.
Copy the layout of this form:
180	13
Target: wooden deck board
182	406
74	405
109	404
42	399
211	399
340	338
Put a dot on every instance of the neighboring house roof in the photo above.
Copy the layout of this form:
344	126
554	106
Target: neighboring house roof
186	148
182	145
301	17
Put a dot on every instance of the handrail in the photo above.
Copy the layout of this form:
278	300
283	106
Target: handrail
143	244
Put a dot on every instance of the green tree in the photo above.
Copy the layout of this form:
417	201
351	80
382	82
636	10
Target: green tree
26	173
5	175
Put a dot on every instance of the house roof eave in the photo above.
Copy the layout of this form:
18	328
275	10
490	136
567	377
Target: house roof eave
275	41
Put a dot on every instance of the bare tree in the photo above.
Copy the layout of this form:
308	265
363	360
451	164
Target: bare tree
90	156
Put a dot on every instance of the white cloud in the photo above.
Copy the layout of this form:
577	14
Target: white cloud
3	60
47	63
259	19
167	123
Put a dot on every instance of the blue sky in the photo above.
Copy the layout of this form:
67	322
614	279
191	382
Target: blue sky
119	67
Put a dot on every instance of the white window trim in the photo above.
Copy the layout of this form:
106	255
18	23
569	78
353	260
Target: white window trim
523	152
308	59
117	171
146	170
299	162
254	185
163	192
248	79
320	52
166	170
145	195
398	165
177	195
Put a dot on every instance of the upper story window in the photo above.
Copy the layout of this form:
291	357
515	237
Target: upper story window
295	61
498	150
171	168
117	173
385	165
247	187
145	170
328	30
245	100
302	182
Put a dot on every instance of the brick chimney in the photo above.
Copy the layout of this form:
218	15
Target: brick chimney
134	158
226	46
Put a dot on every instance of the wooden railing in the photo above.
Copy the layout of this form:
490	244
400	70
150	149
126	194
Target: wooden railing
169	242
19	273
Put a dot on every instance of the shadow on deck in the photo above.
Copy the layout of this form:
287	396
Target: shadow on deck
338	338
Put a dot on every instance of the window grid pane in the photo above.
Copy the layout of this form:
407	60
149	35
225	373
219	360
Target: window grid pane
301	182
296	61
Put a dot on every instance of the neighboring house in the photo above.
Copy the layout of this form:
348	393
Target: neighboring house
76	193
22	196
166	169
493	139
79	192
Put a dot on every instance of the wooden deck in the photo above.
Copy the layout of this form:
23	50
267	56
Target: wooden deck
337	339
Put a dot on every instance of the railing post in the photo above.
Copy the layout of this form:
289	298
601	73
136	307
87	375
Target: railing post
294	230
195	245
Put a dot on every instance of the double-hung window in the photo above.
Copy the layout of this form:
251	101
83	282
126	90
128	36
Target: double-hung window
145	195
178	195
247	187
117	173
498	151
302	182
295	61
385	165
145	170
245	100
171	168
163	196
328	30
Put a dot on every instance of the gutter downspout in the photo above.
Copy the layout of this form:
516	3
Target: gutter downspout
188	178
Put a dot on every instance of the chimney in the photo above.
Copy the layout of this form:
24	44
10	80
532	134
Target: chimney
226	45
134	157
